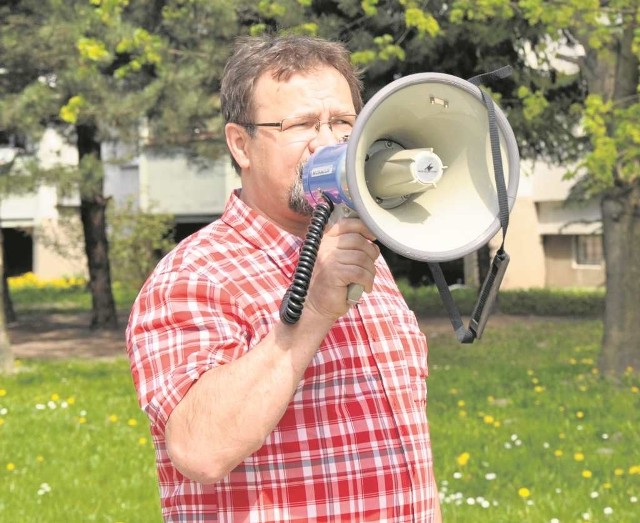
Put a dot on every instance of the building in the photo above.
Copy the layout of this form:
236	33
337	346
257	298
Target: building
552	243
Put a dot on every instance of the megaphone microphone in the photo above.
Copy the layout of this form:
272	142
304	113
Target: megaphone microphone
424	168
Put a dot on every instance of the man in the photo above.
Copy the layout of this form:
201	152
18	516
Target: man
254	419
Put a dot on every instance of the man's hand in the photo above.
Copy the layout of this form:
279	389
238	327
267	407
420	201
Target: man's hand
347	255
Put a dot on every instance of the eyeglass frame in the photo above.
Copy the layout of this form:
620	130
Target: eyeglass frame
317	126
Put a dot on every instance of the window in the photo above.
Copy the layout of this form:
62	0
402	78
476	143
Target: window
588	249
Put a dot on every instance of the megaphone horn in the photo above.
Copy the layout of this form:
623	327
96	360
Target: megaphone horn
419	168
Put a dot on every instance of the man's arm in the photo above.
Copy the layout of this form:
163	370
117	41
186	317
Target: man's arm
227	414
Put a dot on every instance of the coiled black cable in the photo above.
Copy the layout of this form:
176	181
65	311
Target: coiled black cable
293	300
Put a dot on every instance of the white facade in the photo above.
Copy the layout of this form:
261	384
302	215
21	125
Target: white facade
542	237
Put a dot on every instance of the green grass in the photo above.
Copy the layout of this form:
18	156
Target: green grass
530	412
520	409
74	446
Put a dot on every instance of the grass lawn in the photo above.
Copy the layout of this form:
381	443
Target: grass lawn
523	430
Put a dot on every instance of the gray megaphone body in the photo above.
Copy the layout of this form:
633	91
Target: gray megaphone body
419	169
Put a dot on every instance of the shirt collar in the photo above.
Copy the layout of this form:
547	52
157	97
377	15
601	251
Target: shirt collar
281	246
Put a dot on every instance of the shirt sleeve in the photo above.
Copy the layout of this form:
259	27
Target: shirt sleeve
181	325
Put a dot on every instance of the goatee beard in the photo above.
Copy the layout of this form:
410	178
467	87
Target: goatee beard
297	200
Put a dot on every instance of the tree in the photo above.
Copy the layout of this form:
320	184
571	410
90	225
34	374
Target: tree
606	38
97	70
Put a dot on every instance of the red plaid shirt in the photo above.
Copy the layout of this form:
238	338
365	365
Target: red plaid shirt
354	442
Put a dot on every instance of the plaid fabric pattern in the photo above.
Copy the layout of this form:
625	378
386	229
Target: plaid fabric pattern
354	443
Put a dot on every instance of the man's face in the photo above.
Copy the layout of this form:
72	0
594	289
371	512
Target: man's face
271	177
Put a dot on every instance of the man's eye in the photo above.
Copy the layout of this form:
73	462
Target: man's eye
299	124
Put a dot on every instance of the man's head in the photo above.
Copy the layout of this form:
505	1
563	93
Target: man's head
283	98
282	57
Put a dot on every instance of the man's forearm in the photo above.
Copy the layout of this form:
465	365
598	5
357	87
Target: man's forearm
230	410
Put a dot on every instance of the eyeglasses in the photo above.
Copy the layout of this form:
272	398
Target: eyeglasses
307	127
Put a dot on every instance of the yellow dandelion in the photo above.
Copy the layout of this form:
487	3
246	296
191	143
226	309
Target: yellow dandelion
573	361
132	422
579	414
634	469
558	453
586	474
1	422
491	399
607	486
497	424
113	418
3	392
463	459
635	389
82	420
11	467
538	389
39	459
618	472
462	413
142	441
488	419
55	397
578	456
530	372
535	381
71	400
524	492
461	403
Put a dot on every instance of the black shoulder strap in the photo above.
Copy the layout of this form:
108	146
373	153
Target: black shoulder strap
491	284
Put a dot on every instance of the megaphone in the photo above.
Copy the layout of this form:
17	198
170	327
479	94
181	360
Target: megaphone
431	167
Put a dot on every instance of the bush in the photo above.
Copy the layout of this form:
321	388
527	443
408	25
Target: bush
585	303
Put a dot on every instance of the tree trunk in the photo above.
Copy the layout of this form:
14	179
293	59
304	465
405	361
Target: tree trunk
9	311
94	224
621	228
6	354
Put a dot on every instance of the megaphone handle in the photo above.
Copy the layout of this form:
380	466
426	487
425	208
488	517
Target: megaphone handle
354	290
354	293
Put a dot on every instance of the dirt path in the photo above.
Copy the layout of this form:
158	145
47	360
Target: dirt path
63	335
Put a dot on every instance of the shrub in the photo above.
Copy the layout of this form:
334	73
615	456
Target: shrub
586	303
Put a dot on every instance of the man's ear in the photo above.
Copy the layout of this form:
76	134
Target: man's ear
238	143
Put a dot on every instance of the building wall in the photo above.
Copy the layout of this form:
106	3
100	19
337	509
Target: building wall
562	269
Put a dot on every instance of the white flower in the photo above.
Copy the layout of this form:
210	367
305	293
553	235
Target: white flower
633	499
3	411
40	406
608	511
554	520
457	475
594	495
586	516
605	436
471	501
490	476
51	404
44	489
